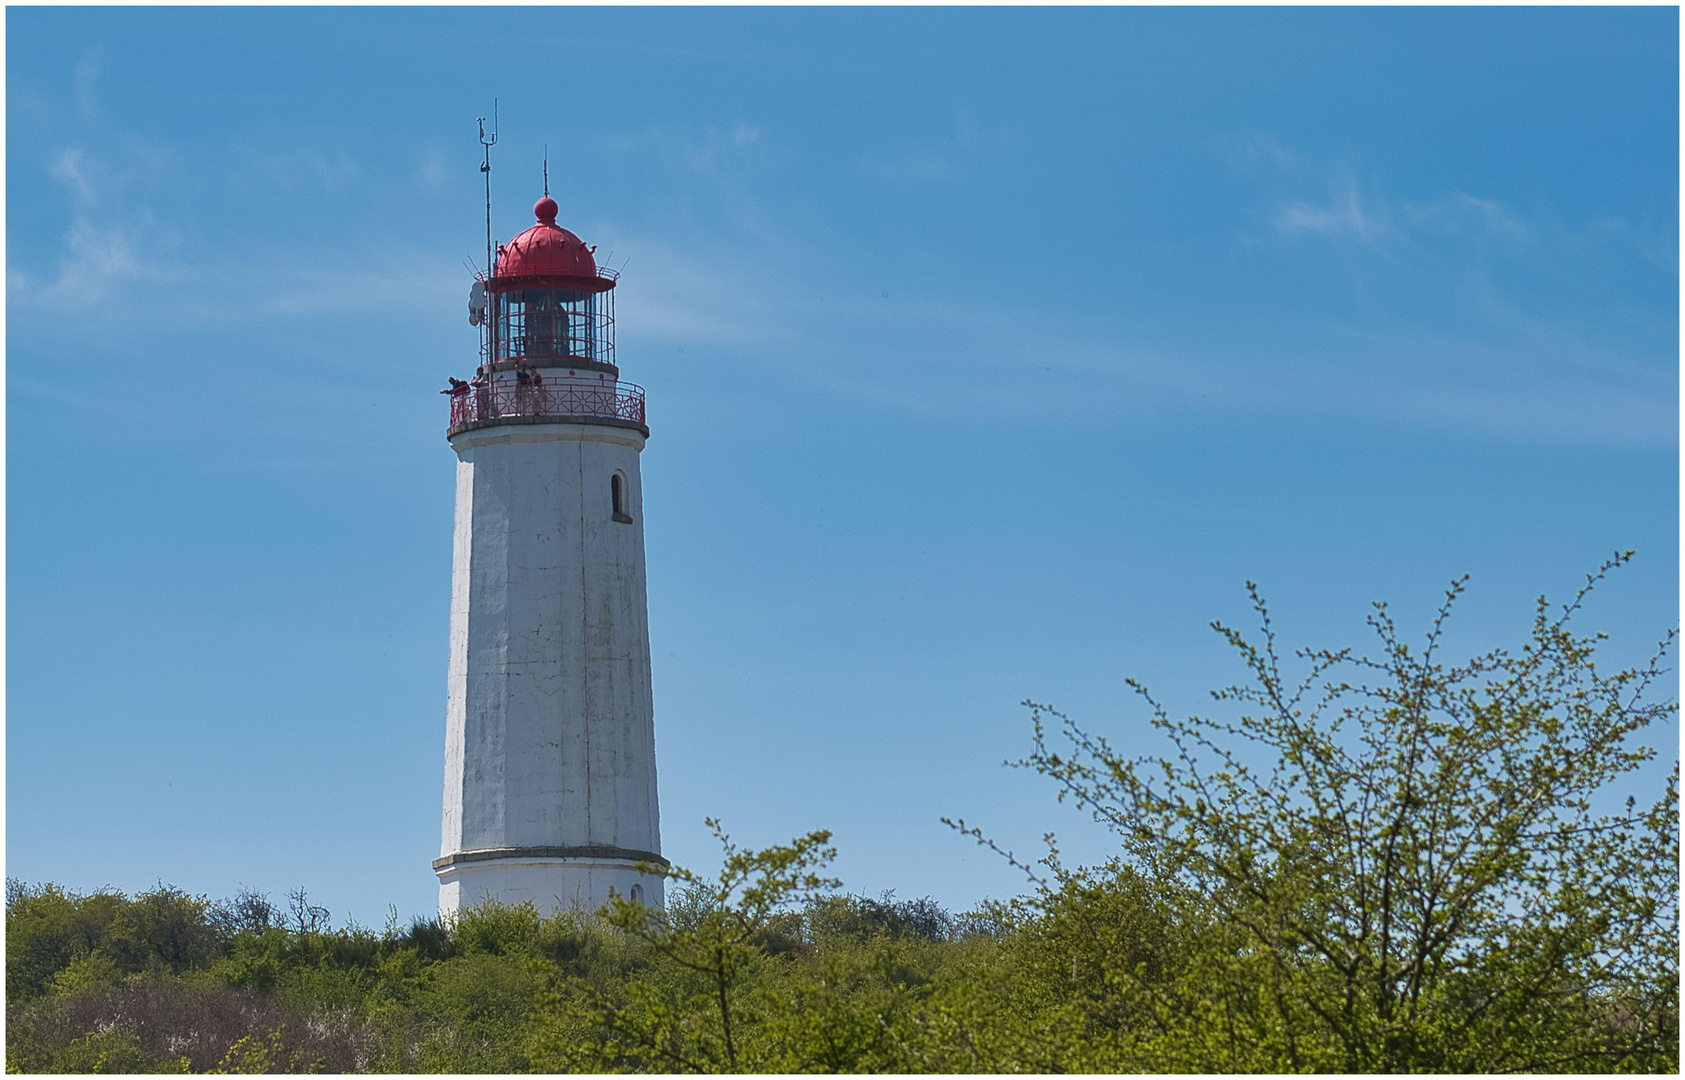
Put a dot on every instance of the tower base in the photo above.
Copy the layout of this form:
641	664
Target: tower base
553	882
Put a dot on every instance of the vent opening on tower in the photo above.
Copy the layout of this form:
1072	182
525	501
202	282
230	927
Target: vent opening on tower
617	496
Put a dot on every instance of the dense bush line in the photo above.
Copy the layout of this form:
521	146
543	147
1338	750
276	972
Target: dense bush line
1100	973
167	982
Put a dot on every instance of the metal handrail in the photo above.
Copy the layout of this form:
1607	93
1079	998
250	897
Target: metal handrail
551	397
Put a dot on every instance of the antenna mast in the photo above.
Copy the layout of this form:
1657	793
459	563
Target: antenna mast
488	143
488	327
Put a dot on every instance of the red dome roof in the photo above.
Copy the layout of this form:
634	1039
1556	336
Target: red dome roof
548	250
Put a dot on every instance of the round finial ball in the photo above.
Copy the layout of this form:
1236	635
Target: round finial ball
545	208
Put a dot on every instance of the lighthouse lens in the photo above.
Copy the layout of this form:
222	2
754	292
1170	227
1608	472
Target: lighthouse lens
559	324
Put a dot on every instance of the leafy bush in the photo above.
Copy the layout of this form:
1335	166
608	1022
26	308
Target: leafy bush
1399	863
162	1024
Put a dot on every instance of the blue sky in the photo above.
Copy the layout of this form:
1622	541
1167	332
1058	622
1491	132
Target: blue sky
989	353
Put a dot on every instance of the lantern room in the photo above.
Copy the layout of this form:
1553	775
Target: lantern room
547	306
551	305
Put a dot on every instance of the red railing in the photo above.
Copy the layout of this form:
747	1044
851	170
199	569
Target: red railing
552	397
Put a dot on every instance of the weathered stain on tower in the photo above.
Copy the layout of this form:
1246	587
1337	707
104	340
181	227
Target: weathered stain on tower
550	734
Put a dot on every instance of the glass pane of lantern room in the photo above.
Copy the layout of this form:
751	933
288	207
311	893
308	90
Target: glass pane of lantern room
542	334
566	340
513	307
565	343
564	334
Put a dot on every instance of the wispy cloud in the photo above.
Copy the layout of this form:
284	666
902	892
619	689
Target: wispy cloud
713	166
932	356
710	150
329	171
104	249
72	167
1344	215
88	70
431	170
1461	310
1250	150
99	254
1458	212
117	250
962	152
679	298
1353	209
913	167
749	288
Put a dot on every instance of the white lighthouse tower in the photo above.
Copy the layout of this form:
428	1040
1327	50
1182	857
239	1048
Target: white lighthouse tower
550	735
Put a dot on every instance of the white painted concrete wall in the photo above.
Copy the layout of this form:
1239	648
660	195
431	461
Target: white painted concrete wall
550	734
550	884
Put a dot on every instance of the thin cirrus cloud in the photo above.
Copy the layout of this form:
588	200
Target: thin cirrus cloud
1345	217
1462	213
121	248
108	246
1470	313
1504	372
88	70
308	169
431	171
1487	360
1346	212
931	349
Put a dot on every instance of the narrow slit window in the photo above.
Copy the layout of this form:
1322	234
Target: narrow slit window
617	493
637	894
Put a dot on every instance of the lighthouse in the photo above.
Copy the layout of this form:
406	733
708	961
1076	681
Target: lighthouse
550	789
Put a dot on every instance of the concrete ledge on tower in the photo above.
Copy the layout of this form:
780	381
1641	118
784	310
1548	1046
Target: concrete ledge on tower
508	421
577	851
